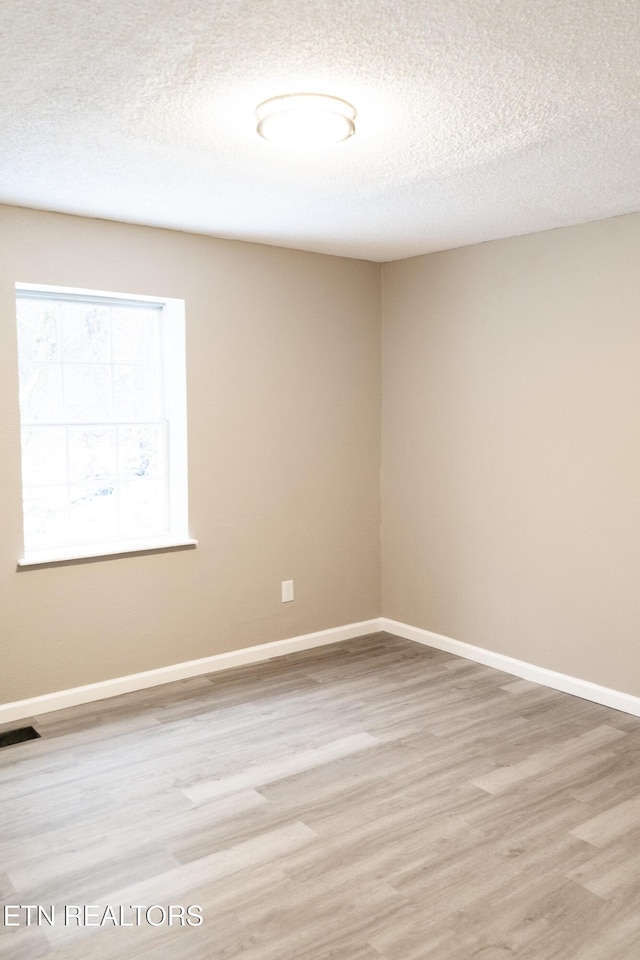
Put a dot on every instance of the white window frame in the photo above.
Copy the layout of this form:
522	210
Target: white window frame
172	325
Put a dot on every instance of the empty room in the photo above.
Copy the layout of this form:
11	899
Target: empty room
320	475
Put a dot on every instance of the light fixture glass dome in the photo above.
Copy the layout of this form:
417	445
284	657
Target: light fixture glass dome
305	119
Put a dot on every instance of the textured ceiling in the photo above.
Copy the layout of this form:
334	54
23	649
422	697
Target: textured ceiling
477	119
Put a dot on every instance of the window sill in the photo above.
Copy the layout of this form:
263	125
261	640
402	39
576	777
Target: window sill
93	551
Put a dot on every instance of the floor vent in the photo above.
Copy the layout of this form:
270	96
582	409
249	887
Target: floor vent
17	736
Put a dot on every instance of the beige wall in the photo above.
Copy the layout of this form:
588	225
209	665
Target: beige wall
510	467
511	448
283	393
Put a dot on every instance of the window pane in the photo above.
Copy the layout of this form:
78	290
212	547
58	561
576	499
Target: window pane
92	454
85	332
40	392
93	512
143	506
38	330
87	391
136	394
134	335
46	517
141	451
44	454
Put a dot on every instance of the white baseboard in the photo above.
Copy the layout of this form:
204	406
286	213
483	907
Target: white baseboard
517	668
22	709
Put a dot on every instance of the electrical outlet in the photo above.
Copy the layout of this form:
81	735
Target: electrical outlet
287	591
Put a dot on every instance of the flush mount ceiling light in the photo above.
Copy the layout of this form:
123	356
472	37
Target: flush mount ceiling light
305	119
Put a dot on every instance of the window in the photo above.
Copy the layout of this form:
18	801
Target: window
103	422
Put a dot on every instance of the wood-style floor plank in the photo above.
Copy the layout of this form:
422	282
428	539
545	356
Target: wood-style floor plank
371	800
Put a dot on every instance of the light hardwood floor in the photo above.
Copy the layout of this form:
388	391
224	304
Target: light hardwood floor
371	799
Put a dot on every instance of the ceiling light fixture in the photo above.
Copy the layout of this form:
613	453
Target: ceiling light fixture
305	119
